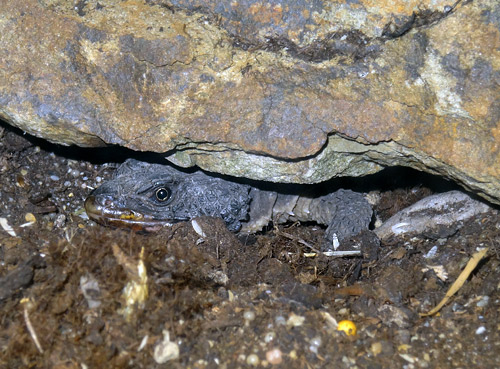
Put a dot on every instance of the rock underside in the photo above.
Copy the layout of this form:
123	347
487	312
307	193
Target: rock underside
290	91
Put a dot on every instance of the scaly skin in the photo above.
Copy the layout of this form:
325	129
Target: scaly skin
147	196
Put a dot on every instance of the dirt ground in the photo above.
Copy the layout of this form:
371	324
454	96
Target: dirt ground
220	301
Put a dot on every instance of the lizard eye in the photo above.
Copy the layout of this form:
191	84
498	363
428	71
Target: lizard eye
162	194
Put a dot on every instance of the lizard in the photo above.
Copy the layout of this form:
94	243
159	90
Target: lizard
148	196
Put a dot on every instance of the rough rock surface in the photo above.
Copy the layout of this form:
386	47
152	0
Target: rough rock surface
291	91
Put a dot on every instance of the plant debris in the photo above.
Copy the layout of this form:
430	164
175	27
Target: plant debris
469	268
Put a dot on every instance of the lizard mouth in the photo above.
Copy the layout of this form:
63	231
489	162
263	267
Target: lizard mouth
107	215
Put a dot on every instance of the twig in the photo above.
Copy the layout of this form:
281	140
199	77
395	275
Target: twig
298	239
469	268
316	251
27	320
340	254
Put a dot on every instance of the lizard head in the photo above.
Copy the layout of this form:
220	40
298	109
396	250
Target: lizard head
146	196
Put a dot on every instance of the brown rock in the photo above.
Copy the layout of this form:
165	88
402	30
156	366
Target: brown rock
292	92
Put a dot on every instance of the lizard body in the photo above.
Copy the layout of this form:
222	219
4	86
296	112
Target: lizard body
148	196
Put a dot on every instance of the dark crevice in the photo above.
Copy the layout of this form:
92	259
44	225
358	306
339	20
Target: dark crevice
422	18
388	178
96	155
351	44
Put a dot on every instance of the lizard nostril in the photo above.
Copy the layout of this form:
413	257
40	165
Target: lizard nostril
104	200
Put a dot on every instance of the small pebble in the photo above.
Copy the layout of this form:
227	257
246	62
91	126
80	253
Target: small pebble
91	291
274	356
253	360
483	302
411	359
60	221
315	344
165	350
456	307
223	293
249	315
316	341
280	320
376	348
431	253
403	336
343	311
54	177
481	330
269	337
29	217
295	320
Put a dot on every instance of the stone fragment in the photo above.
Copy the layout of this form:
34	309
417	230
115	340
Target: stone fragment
166	350
436	216
399	316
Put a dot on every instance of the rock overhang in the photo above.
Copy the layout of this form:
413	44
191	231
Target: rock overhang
280	101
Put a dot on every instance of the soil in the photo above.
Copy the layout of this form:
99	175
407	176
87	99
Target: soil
223	301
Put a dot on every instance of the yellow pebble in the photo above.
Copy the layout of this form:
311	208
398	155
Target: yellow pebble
347	327
29	217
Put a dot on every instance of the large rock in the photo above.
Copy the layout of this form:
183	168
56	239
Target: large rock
292	91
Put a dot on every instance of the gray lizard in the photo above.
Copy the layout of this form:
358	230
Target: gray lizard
147	196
